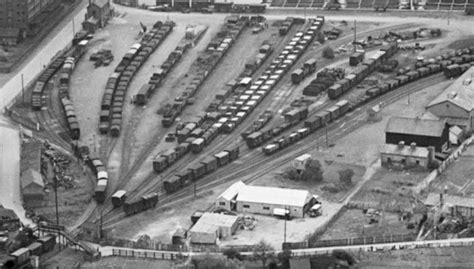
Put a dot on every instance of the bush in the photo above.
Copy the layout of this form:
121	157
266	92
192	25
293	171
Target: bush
232	253
343	255
328	53
312	171
291	173
345	176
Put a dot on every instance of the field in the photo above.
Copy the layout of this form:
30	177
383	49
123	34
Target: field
457	179
353	142
446	257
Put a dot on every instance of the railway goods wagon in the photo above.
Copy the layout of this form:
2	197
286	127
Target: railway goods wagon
296	114
48	242
210	163
390	50
297	76
453	70
343	106
210	135
35	248
171	156
21	257
197	132
373	92
233	153
104	115
335	91
185	175
197	145
143	94
223	158
310	66
402	79
115	128
100	190
95	165
160	163
371	64
143	203
424	71
356	58
254	139
412	75
183	134
118	198
334	112
313	123
325	117
36	95
198	169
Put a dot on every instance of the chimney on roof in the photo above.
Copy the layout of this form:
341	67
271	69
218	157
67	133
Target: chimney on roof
401	144
413	145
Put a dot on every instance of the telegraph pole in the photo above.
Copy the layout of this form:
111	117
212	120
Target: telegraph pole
56	193
22	89
355	35
101	224
195	189
327	141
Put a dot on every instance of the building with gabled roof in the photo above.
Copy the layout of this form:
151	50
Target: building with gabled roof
212	226
227	199
99	12
456	102
453	204
423	132
32	188
406	156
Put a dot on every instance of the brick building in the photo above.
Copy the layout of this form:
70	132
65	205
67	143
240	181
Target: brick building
98	14
24	17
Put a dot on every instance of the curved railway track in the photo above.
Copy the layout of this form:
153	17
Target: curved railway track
153	181
256	164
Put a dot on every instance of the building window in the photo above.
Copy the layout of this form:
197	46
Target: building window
417	162
221	203
403	161
266	208
246	206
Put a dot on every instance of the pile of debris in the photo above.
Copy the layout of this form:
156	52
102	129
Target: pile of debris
60	165
102	57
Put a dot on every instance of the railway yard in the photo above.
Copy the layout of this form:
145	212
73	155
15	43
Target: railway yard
188	105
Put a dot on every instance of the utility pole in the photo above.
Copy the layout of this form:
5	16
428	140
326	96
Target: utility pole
101	224
56	193
22	89
284	229
355	35
195	189
327	141
73	28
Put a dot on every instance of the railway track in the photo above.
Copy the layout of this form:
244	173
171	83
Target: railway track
154	182
256	164
49	117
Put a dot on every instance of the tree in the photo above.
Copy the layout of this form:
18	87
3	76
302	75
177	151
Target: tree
263	251
232	253
313	170
328	53
320	38
284	258
345	176
291	173
144	241
209	261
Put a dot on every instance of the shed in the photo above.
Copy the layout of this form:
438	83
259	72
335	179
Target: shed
32	188
264	200
405	156
8	219
300	162
423	132
212	226
456	103
227	199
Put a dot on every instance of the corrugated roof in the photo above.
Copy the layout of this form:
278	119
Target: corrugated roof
448	199
272	195
100	3
31	176
232	191
210	222
404	151
300	263
31	156
415	126
459	92
9	32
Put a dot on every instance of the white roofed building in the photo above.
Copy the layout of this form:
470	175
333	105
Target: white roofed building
273	201
211	227
227	199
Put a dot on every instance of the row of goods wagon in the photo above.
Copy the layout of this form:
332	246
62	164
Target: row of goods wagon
200	168
240	97
361	71
215	51
21	258
324	117
63	66
110	118
246	95
194	172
